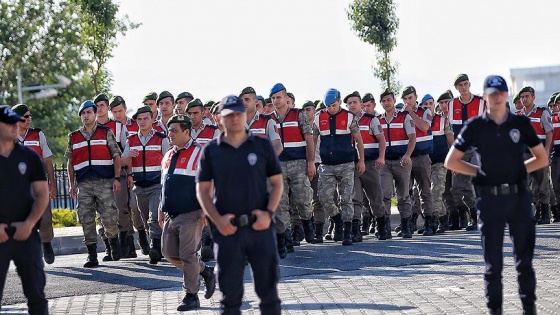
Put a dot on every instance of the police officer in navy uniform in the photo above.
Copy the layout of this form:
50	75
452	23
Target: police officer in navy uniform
232	178
500	138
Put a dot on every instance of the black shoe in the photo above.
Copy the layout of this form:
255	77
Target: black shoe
365	226
529	309
473	220
442	224
143	242
338	227
496	311
155	251
116	253
123	243
297	233
463	211
131	247
454	220
428	222
381	229
413	223
189	303
545	214
347	233
206	249
318	233
91	261
356	235
48	253
209	281
406	227
308	230
281	242
107	256
289	241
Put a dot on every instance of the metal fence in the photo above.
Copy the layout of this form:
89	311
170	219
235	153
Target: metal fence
63	198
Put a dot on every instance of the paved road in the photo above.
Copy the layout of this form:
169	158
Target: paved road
424	275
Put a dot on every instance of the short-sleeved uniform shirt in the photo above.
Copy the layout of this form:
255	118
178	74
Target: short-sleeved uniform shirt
42	143
500	147
111	142
21	168
270	131
240	174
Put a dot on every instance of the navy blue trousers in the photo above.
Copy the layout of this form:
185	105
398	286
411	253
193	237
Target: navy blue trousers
28	258
260	250
494	212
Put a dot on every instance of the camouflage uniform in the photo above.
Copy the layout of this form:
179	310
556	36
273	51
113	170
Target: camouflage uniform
439	173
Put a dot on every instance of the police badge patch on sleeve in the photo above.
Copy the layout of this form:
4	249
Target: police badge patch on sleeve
515	135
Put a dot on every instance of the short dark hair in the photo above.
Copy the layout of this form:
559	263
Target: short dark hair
185	125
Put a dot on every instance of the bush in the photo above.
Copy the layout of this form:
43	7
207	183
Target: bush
64	218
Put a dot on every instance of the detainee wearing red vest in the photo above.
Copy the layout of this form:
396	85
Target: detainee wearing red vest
461	109
400	135
554	106
94	169
201	132
539	180
36	140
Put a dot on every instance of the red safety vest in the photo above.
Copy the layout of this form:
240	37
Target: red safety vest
146	167
206	135
395	136
535	117
31	141
132	127
117	128
371	146
258	126
459	113
291	137
556	134
91	154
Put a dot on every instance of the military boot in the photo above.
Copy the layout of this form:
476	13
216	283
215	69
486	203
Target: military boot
529	309
289	241
356	235
281	242
545	214
454	220
365	226
442	224
131	247
143	242
123	243
155	251
91	260
463	211
338	226
381	229
329	235
318	239
406	227
413	222
295	235
48	253
347	233
206	250
308	230
428	228
116	252
190	302
388	227
107	256
209	281
555	213
473	220
537	212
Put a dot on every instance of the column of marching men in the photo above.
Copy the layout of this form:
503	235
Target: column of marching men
340	166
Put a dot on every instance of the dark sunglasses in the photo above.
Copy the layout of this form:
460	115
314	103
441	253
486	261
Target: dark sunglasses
27	116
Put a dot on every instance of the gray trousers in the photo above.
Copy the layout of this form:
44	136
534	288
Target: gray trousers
539	183
148	203
400	175
367	188
554	176
421	174
462	188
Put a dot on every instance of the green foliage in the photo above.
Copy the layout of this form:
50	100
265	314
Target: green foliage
64	218
376	23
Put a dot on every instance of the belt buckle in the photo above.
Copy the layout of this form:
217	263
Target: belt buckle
243	220
505	189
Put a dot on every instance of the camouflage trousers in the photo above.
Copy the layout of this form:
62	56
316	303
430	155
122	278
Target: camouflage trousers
439	173
540	184
297	187
95	195
337	177
462	188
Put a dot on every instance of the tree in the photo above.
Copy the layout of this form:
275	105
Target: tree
99	31
376	23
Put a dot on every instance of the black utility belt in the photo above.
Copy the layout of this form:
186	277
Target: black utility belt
244	220
499	190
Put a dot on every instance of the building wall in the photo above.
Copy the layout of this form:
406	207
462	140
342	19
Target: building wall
545	81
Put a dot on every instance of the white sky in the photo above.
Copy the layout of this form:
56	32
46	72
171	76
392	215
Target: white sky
212	48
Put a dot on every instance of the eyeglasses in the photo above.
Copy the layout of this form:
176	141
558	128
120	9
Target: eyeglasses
27	116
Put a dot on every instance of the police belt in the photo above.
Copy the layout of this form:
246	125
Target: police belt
500	190
244	220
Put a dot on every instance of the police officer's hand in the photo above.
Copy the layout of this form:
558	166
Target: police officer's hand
405	161
52	190
73	192
263	220
116	186
379	162
224	226
3	235
360	167
23	230
311	170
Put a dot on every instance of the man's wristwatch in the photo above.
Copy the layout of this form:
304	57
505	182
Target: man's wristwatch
270	212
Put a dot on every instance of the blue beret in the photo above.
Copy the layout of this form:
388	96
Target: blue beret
425	98
87	104
331	96
260	98
277	88
399	106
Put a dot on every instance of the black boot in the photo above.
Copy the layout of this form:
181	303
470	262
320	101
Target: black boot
143	242
91	260
463	211
473	220
282	252
454	220
289	241
356	235
308	230
538	213
545	214
123	243
388	227
318	239
206	250
338	226
329	235
116	252
347	233
131	247
428	226
381	229
406	227
365	225
555	213
529	309
295	235
496	311
413	222
190	302
107	256
442	224
155	251
209	281
48	253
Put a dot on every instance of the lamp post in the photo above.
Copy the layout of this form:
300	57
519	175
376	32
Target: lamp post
44	91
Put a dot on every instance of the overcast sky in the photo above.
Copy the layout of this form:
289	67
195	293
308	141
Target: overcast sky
212	48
